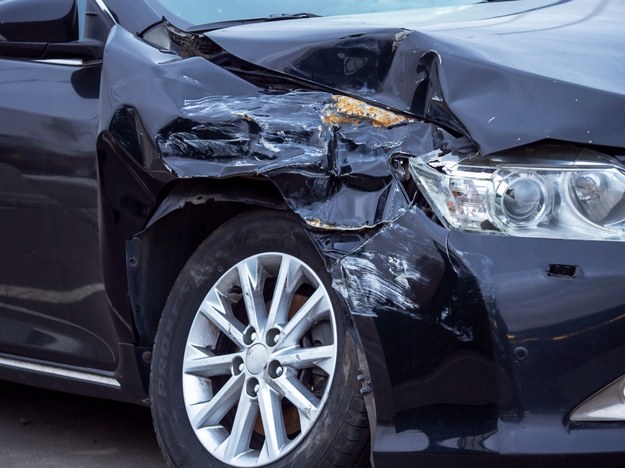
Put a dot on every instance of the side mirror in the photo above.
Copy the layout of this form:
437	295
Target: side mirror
42	21
43	29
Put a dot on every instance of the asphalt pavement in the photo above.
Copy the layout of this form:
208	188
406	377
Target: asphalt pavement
42	428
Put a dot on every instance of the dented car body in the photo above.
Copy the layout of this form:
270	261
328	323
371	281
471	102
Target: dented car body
460	171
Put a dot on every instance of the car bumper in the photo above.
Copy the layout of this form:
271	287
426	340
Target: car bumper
494	342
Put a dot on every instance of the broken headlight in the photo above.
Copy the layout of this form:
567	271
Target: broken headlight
557	199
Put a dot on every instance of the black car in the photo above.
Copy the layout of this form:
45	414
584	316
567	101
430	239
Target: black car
325	233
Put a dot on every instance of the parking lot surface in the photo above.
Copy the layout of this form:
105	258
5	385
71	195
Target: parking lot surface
42	428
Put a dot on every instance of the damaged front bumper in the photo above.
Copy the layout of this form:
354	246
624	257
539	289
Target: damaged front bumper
486	343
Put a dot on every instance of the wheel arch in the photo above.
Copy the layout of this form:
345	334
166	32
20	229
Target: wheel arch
189	211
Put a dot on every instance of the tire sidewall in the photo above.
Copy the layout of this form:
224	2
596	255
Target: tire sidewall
239	239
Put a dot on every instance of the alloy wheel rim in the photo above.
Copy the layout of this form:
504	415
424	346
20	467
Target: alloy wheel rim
259	359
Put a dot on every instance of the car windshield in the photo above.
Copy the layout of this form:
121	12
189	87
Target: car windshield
202	12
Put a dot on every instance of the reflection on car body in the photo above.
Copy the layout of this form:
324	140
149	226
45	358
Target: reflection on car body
360	234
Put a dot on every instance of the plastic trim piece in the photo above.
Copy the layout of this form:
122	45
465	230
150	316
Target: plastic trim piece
60	372
69	62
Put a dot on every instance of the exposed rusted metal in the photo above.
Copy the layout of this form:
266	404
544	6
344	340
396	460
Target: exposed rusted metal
347	110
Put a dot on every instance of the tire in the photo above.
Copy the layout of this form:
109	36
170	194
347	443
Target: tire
242	378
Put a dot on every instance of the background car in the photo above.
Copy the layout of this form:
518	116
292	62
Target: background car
321	235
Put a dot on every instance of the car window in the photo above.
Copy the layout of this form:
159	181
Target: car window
196	12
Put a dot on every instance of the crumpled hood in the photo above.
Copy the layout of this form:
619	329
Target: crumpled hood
506	74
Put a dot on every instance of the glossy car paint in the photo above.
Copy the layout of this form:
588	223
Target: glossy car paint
51	274
474	344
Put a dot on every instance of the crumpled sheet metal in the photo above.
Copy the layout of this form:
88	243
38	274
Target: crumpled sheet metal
156	83
505	74
328	155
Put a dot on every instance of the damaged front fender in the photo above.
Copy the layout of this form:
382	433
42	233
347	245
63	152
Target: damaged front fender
328	155
166	120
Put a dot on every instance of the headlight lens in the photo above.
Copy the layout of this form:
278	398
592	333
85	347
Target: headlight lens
567	200
522	199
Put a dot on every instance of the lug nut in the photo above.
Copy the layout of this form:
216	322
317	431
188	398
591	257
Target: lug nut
238	365
249	336
274	369
252	388
273	336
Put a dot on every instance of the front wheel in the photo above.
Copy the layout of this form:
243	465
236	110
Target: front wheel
253	363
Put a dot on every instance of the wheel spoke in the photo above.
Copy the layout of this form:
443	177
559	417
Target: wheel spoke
251	277
288	280
241	371
218	310
273	422
213	411
210	365
306	403
242	428
303	358
314	309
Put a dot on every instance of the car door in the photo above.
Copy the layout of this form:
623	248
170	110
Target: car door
53	304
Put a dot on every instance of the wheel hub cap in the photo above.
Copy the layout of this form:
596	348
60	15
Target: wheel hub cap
256	359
